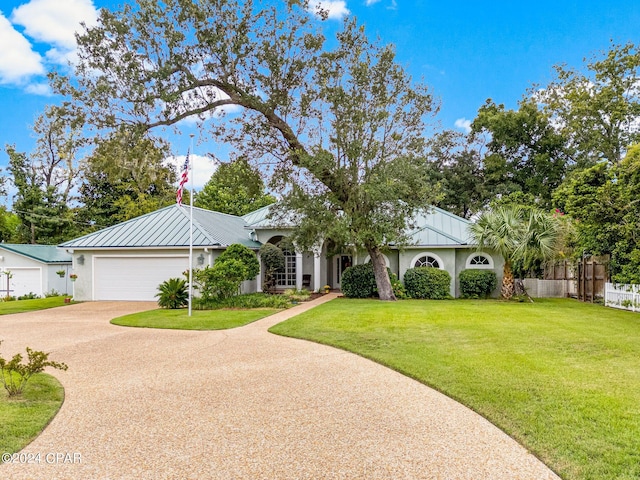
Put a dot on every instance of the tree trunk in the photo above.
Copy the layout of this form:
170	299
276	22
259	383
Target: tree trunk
385	291
507	281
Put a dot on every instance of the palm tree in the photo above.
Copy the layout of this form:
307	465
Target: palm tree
517	234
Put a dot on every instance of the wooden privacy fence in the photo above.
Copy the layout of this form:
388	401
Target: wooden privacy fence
584	280
624	296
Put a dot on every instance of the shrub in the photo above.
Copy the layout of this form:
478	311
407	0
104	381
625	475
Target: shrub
16	374
427	282
244	255
249	300
173	293
222	280
398	288
297	295
273	260
52	293
477	283
359	281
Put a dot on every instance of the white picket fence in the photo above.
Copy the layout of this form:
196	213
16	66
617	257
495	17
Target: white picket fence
624	296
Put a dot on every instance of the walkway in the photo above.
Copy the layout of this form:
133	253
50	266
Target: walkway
242	404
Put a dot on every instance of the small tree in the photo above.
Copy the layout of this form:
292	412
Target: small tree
16	374
518	234
273	260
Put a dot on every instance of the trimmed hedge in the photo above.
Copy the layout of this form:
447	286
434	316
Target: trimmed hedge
427	282
476	283
359	281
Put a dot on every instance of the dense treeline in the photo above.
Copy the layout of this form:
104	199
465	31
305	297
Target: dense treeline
569	147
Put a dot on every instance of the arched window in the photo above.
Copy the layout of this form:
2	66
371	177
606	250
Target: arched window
285	277
479	260
427	259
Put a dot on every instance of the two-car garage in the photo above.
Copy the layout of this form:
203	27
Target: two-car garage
134	277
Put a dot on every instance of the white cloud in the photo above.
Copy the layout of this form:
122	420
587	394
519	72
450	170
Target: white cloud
334	9
368	3
393	5
18	62
463	124
42	89
53	21
202	168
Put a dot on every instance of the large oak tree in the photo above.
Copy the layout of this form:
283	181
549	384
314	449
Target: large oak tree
340	122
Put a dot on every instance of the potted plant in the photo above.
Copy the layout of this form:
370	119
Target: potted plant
73	277
327	288
61	273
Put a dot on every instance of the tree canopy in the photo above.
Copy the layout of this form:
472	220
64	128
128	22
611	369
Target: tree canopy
235	188
341	123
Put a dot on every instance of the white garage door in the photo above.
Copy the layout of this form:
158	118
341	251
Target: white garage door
23	281
134	278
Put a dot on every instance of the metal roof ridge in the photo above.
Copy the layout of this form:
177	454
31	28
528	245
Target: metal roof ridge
202	229
117	225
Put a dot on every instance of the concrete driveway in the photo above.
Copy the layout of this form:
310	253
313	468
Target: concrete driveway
242	404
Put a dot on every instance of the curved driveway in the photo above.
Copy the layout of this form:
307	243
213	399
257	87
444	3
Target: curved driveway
242	404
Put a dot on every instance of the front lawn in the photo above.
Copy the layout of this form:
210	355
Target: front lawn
560	376
200	319
22	418
21	306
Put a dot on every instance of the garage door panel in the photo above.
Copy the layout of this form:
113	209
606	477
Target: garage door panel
134	278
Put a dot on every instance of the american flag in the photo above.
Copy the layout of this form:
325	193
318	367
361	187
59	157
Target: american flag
183	179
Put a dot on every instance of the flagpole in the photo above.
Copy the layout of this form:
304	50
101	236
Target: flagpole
191	232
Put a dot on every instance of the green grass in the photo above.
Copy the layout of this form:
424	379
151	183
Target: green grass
200	319
22	418
560	376
21	306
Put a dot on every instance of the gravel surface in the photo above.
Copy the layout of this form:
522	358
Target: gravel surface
241	404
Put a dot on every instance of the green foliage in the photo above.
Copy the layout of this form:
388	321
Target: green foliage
297	295
173	293
603	201
234	188
525	153
597	109
126	176
245	301
16	374
340	121
358	281
232	267
398	288
245	255
51	293
477	283
427	282
520	235
273	260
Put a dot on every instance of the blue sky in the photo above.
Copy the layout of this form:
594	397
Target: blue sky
466	51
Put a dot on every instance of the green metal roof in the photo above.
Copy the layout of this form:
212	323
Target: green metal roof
41	253
169	227
431	227
437	227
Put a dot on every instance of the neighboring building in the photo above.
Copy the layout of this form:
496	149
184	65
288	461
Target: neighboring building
129	260
33	269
